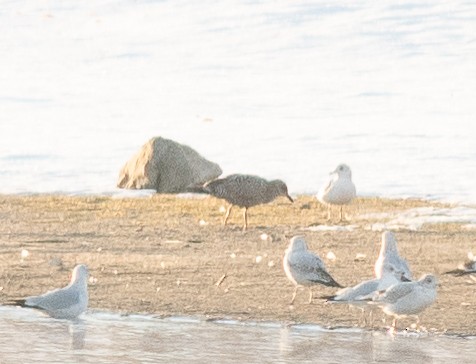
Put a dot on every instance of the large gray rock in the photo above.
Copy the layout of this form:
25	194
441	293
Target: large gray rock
167	167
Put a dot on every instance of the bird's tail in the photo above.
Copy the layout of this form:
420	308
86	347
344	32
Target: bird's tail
329	282
335	284
459	272
196	189
329	298
15	302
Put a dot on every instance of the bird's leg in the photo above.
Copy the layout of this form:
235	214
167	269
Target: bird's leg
245	217
417	327
341	218
328	212
310	295
294	295
362	318
394	326
227	214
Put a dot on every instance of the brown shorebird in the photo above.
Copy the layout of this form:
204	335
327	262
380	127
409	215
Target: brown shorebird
244	191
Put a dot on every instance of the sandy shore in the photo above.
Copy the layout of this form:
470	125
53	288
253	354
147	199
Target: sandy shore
169	255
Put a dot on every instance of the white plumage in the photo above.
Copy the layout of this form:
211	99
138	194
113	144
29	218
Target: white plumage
408	298
364	290
389	253
339	191
64	303
304	268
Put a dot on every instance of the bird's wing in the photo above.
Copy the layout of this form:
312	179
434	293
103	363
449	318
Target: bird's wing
405	268
55	300
456	272
222	187
325	189
396	292
310	266
460	272
359	292
399	263
305	259
362	290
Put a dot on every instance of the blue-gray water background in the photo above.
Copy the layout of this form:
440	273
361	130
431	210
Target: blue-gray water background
283	89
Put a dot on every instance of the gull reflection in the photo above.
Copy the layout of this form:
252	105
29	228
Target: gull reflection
402	349
77	331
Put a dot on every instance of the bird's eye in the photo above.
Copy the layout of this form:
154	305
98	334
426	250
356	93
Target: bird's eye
341	168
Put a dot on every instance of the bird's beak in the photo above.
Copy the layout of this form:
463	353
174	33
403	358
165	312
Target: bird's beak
405	279
289	198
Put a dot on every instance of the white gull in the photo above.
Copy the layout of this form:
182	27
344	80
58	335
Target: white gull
408	298
389	253
304	268
339	191
361	292
359	295
63	303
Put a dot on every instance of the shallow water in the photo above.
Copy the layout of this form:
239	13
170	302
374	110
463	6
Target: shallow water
100	337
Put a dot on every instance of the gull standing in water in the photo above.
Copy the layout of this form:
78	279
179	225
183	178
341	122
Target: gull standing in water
389	253
63	303
245	191
339	191
408	298
304	268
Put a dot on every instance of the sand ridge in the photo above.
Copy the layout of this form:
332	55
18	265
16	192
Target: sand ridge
168	255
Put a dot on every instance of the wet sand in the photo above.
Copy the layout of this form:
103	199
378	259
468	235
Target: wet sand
168	255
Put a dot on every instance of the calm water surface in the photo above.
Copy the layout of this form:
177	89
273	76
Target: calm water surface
28	337
282	89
